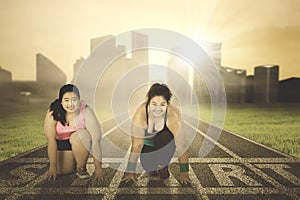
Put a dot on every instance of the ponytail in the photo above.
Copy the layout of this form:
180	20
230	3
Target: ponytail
59	114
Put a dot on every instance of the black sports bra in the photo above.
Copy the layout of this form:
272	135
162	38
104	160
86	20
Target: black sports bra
154	132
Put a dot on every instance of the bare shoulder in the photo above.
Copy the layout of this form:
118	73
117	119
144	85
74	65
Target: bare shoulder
49	117
174	119
88	110
89	114
174	113
139	117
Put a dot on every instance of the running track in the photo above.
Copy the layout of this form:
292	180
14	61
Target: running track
235	168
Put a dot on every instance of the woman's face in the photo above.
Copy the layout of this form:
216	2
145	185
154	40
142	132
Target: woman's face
158	106
70	102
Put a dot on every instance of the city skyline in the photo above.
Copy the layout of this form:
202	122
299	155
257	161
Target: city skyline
252	33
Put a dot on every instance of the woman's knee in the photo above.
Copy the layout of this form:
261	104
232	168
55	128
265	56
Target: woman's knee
81	137
148	161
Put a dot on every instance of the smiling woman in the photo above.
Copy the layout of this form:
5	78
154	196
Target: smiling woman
156	133
72	129
70	102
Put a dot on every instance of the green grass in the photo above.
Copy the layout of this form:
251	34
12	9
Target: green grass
21	129
276	126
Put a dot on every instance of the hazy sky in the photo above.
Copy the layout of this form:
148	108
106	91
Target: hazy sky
252	32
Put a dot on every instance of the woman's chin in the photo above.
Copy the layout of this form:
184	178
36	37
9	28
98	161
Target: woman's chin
71	110
158	114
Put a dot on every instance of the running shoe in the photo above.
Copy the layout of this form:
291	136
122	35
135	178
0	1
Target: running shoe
163	173
82	173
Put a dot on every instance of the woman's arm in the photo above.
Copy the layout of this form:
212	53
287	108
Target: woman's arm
50	133
175	124
180	142
93	126
137	142
138	126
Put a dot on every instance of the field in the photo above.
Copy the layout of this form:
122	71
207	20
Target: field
275	125
21	129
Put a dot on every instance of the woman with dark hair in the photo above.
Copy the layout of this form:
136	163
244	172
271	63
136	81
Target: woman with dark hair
72	129
156	134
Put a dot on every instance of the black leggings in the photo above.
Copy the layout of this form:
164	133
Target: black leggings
159	156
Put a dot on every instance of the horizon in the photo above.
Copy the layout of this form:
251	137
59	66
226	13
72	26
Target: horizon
69	78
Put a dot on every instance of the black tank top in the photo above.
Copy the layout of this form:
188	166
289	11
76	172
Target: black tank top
150	141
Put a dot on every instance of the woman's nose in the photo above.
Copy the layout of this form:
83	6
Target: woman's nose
157	108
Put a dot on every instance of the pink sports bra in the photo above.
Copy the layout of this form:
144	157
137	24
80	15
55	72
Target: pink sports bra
64	132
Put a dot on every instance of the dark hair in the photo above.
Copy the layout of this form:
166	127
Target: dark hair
59	113
158	89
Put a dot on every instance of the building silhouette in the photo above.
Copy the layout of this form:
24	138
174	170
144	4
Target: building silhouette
288	90
234	80
123	62
213	50
235	84
47	72
266	84
76	68
249	89
262	87
49	78
5	76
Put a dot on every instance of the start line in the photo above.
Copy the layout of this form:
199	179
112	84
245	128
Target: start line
236	168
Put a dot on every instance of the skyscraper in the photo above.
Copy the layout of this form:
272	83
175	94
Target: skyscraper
266	84
5	76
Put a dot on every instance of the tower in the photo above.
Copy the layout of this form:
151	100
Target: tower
266	84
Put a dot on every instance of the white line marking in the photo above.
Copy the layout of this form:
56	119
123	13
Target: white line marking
115	182
198	189
113	189
244	162
28	187
174	160
152	190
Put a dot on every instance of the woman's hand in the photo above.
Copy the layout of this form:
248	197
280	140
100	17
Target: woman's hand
98	174
184	178
52	173
129	176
